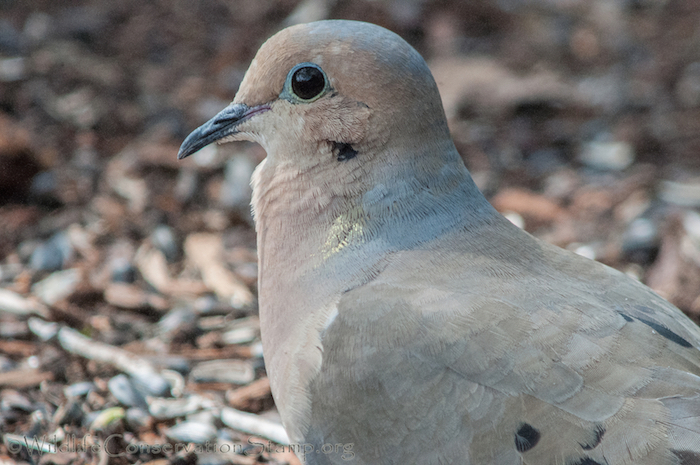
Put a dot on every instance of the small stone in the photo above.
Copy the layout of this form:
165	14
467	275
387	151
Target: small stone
515	218
187	185
206	417
37	26
206	304
6	364
138	418
10	38
174	363
33	362
164	409
545	161
256	350
78	389
685	194
607	155
124	391
604	91
79	107
26	248
224	371
222	458
10	329
46	258
151	384
53	254
690	244
176	381
11	302
105	418
207	157
13	400
308	11
634	271
585	250
57	286
235	191
10	271
120	262
44	186
640	241
70	413
123	271
242	331
133	296
193	432
12	69
179	319
44	330
163	238
691	224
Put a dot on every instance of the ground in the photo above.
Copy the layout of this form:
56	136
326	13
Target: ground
128	279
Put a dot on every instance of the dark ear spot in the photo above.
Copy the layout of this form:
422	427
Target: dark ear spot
526	438
343	151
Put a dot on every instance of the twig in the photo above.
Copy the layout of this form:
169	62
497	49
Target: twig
244	396
253	424
137	367
24	378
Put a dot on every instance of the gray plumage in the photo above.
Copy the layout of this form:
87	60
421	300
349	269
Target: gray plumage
402	315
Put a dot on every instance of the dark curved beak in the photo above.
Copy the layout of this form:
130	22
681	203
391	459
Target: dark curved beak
224	124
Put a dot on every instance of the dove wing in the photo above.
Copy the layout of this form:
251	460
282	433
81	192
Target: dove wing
534	365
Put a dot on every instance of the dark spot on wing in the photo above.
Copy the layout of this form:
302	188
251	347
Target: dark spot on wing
586	461
343	151
687	457
599	432
526	438
661	329
627	318
665	332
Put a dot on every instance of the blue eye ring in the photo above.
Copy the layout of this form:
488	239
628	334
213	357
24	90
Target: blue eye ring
306	82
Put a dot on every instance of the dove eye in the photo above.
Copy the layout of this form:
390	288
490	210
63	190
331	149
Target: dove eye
307	81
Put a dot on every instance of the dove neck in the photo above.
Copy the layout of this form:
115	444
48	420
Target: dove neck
340	228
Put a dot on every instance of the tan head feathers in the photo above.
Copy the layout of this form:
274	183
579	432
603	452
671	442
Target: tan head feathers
359	71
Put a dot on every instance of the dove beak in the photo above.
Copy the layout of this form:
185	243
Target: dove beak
224	124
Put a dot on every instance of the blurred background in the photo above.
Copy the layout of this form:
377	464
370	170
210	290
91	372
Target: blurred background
128	279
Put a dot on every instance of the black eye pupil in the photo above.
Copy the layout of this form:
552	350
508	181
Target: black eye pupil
308	82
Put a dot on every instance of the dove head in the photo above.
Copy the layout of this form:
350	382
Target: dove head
316	84
329	81
353	126
339	107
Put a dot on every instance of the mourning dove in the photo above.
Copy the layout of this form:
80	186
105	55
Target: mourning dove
404	320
